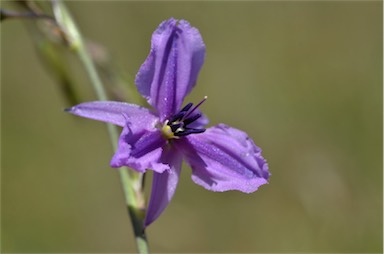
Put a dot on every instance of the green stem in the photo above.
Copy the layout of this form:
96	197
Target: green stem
133	193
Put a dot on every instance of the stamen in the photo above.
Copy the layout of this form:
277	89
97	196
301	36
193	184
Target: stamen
176	126
187	107
189	131
192	119
198	105
182	113
178	116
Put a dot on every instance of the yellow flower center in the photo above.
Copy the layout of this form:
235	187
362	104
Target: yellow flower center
167	132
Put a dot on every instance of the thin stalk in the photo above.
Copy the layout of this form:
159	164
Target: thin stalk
133	195
6	14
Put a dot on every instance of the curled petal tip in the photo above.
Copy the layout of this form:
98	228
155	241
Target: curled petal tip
170	71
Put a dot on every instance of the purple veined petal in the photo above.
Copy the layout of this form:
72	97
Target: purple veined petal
172	66
140	150
224	158
115	112
164	185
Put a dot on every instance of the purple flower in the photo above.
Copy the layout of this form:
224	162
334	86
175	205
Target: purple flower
221	157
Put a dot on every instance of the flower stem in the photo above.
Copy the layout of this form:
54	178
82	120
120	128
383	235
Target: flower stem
132	189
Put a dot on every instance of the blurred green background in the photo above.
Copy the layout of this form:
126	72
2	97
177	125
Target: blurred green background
303	78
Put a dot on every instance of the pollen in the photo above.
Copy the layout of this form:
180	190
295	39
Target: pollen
167	132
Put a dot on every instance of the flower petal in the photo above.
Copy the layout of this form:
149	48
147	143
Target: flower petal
163	185
172	66
224	158
115	112
140	150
